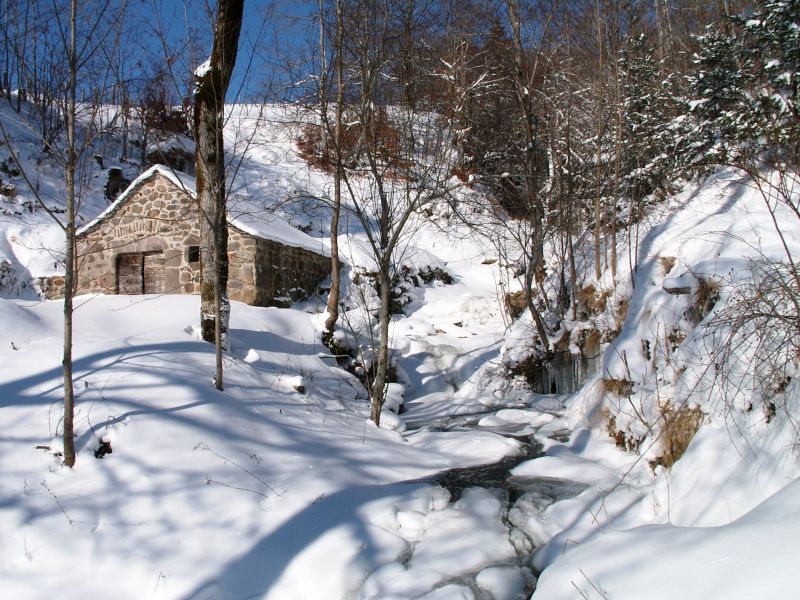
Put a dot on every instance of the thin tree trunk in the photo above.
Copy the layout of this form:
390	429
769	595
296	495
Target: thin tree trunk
617	174
538	321
662	46
333	296
598	255
126	108
724	16
69	255
671	57
569	209
145	131
534	203
382	365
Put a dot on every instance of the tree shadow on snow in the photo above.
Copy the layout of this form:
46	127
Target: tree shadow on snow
260	568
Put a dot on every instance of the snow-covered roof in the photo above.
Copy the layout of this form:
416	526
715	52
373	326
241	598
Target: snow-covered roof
179	141
260	226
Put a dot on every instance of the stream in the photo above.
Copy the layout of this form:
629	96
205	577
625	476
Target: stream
522	496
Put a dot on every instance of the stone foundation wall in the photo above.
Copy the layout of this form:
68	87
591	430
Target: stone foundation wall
285	274
241	271
267	273
51	287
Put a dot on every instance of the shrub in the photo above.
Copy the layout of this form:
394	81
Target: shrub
666	262
704	299
9	190
625	441
758	335
316	146
620	387
592	301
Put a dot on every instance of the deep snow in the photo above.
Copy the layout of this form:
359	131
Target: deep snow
279	487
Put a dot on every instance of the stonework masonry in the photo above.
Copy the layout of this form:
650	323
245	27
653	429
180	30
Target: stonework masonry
156	217
149	243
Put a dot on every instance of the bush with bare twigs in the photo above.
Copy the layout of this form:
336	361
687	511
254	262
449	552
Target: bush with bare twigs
758	336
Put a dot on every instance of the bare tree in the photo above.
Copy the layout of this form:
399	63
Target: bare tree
401	160
213	78
333	131
69	254
524	77
84	33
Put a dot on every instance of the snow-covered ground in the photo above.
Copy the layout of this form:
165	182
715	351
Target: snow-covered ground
280	487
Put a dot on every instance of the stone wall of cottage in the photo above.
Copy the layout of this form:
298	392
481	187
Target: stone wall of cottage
285	274
241	278
158	217
51	287
268	273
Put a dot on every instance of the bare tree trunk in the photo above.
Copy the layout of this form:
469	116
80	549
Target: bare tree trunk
573	271
523	89
617	172
334	294
385	251
598	255
382	364
213	79
145	133
126	113
21	49
393	184
724	16
69	254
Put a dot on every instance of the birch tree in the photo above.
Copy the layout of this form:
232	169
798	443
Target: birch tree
333	131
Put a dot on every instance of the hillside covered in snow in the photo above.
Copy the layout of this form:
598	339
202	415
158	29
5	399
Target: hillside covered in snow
283	474
592	366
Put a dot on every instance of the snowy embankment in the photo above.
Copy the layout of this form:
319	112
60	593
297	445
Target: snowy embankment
280	487
721	522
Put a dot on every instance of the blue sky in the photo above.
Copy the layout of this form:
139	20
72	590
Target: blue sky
277	28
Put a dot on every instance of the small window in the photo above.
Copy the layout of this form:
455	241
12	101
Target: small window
193	254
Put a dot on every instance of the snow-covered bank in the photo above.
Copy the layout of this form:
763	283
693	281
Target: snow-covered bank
281	488
720	521
754	556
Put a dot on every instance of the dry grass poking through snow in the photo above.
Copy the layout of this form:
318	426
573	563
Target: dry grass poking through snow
680	426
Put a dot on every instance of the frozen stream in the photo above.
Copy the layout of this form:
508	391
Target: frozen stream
476	543
520	496
472	533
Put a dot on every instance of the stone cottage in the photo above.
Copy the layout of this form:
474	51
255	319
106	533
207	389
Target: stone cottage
147	242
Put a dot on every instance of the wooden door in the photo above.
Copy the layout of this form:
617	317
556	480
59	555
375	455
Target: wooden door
153	273
129	274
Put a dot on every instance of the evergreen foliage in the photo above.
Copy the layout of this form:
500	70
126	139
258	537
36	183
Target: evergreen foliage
745	87
648	107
